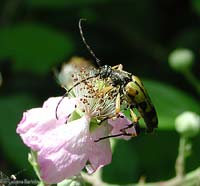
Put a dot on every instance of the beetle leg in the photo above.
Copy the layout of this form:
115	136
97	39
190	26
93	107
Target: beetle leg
114	67
135	124
106	89
110	136
117	110
134	117
118	67
123	133
136	127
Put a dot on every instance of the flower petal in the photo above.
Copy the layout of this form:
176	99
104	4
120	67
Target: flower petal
121	123
37	122
100	153
65	152
66	106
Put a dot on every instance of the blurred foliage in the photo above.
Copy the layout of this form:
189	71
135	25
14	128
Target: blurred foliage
12	106
33	47
63	3
174	103
39	35
143	156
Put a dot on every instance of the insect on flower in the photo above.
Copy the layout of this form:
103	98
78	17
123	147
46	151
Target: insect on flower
130	90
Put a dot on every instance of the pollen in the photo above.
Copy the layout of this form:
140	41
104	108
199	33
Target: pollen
97	96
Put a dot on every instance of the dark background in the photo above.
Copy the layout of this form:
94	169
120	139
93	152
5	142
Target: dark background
37	36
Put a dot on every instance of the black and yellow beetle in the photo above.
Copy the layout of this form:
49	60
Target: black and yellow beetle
133	89
129	86
140	99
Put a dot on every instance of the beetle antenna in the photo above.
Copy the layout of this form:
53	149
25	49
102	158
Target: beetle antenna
56	111
69	90
87	46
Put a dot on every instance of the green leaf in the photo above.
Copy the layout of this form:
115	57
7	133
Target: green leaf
124	166
12	146
196	6
143	156
34	47
169	103
62	3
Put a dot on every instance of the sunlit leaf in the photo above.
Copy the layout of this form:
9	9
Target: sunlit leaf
170	102
34	47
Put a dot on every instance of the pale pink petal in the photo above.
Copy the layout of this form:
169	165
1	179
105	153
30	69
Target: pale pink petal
65	108
65	151
100	153
37	122
121	123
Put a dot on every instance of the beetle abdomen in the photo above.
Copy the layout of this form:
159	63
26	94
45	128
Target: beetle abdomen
139	97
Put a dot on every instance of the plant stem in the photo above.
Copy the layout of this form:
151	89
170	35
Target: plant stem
190	179
192	80
181	179
180	161
32	158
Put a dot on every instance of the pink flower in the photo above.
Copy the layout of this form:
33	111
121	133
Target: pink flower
65	146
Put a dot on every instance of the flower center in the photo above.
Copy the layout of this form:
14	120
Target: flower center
97	97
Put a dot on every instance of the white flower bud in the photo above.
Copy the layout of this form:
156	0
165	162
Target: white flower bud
68	69
181	60
188	124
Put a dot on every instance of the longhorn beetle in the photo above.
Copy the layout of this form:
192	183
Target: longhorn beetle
130	87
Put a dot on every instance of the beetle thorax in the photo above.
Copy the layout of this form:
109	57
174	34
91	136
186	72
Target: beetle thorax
105	71
117	77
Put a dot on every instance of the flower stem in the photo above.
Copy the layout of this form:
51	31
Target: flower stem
32	158
180	161
33	161
192	80
190	179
